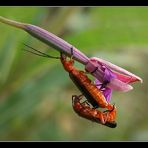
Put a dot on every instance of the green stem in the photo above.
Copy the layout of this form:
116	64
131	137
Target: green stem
13	23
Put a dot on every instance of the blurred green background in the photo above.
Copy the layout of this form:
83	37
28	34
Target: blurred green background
35	92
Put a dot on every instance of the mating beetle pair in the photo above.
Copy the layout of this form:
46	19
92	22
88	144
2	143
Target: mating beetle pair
94	97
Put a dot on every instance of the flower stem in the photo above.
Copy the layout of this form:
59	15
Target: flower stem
49	39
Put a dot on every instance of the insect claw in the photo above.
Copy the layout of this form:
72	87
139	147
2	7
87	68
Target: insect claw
110	110
113	107
72	53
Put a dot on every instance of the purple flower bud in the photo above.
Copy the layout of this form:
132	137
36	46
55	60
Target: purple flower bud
117	77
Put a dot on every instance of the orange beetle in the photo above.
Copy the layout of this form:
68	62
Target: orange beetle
85	111
93	95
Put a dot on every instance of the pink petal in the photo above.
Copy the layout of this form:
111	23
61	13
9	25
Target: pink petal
118	85
121	73
125	78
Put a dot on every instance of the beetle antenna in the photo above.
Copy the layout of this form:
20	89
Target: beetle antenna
39	53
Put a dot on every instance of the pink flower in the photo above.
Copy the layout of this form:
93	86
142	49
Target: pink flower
110	75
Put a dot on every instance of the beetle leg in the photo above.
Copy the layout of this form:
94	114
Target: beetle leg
85	102
72	53
102	118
